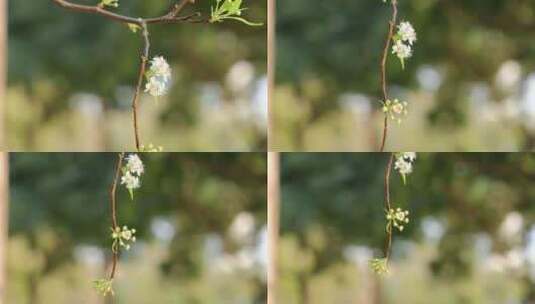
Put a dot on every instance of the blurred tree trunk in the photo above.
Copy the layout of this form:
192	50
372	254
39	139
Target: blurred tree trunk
4	190
271	71
4	175
273	224
3	69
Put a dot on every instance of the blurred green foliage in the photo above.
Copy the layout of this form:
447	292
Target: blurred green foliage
329	49
334	202
60	202
55	54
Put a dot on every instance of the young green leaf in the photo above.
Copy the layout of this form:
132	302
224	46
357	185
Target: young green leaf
229	10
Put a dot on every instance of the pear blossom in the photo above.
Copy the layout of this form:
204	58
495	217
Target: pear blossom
406	32
156	86
403	41
404	167
410	156
403	164
122	237
160	67
395	109
130	181
134	164
158	77
397	218
401	50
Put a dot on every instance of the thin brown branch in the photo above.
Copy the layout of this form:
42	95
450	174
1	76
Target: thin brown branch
388	206
113	205
385	133
170	17
386	49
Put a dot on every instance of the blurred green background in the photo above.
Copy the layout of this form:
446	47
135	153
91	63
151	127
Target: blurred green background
471	238
200	219
71	78
470	84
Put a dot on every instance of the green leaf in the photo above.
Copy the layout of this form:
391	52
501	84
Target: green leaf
229	10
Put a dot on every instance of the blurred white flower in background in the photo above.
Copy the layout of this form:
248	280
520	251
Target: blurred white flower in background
243	227
240	76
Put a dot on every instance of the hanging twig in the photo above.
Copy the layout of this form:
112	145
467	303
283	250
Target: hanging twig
386	49
388	206
113	206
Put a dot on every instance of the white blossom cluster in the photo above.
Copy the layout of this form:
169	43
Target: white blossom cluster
395	109
132	172
123	237
404	162
403	42
397	218
158	77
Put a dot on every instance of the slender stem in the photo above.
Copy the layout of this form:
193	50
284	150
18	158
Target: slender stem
113	205
388	206
386	49
385	133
